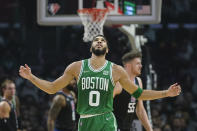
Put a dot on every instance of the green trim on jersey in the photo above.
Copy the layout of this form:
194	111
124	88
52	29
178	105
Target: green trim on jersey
95	89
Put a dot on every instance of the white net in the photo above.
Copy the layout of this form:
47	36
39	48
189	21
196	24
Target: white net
93	20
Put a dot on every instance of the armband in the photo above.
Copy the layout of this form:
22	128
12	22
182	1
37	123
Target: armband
137	93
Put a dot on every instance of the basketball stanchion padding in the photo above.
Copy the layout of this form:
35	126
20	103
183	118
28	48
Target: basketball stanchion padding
93	20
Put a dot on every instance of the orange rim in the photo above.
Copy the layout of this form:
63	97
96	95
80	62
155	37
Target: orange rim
96	14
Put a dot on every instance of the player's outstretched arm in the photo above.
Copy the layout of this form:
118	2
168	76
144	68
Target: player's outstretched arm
173	90
120	75
47	86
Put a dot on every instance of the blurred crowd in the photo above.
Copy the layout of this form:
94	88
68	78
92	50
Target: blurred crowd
179	11
48	50
173	54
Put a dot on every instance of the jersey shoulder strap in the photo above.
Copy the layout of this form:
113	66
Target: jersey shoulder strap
136	81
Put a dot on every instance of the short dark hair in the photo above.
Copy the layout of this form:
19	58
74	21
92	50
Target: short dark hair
4	84
98	36
131	55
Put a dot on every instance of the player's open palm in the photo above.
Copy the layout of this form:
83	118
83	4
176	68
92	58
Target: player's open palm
25	71
174	90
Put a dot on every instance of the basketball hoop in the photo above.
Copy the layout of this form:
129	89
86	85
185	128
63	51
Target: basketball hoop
93	20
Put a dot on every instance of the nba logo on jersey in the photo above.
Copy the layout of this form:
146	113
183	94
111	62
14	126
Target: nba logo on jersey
133	99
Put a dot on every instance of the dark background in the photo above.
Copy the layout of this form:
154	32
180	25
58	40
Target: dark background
172	46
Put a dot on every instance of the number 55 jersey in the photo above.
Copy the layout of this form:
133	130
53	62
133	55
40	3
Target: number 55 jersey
125	109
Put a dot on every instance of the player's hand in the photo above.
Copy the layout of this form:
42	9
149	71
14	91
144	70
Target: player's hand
25	71
174	90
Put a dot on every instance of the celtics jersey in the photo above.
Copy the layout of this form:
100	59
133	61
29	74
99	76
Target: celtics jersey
95	89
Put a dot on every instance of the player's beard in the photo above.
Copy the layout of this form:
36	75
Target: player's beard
137	73
99	52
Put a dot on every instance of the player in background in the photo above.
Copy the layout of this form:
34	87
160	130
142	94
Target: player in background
62	115
127	109
96	78
8	114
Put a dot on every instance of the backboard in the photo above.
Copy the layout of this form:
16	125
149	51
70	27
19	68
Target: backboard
64	12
